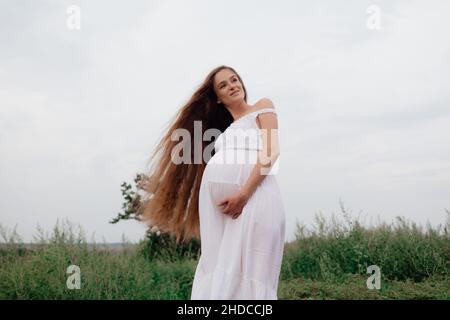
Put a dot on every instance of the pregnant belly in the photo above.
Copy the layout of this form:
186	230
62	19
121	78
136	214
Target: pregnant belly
234	172
221	190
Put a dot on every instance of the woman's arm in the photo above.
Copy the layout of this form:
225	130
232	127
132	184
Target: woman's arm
268	124
266	157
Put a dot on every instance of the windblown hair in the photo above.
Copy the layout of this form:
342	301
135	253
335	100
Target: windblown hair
174	188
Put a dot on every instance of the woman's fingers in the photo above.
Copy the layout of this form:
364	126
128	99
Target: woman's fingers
229	209
223	202
237	214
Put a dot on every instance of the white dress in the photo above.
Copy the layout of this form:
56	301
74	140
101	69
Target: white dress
240	258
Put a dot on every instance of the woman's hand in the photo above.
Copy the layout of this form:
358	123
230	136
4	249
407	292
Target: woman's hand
234	204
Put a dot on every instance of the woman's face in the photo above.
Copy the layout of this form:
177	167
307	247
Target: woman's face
228	87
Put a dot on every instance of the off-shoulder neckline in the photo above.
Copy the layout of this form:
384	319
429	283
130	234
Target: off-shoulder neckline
271	109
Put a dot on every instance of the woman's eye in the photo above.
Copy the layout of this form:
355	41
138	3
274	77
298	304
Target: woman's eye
223	86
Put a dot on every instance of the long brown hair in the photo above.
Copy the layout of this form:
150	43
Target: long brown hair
174	188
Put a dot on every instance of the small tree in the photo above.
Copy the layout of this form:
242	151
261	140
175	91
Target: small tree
157	244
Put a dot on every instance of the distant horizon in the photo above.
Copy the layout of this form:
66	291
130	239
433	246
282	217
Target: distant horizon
309	228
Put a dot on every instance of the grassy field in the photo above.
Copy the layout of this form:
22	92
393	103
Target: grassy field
328	262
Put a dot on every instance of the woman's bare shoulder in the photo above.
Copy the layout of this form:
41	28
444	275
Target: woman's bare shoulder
263	103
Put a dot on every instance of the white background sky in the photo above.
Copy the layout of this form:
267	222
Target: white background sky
364	114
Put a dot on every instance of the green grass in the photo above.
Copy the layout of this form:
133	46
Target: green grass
328	262
402	250
354	287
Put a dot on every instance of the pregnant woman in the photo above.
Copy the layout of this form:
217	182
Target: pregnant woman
230	200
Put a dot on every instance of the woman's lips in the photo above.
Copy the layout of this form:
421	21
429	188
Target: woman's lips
234	93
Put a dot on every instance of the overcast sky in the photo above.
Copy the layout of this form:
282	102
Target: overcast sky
364	112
